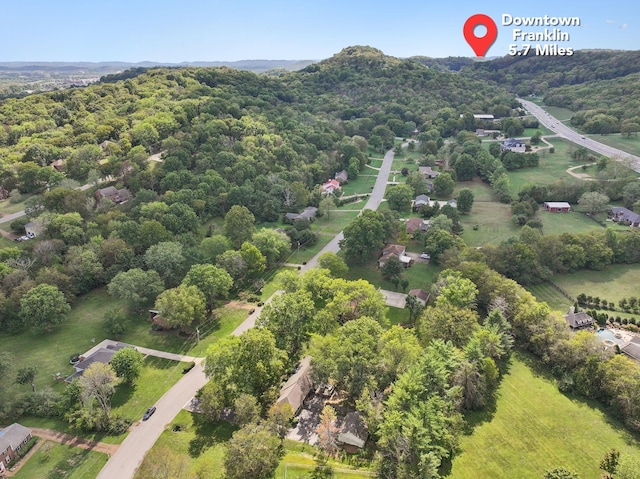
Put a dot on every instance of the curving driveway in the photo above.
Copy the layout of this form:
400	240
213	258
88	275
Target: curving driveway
564	131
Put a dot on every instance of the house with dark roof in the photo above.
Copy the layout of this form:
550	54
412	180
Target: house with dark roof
414	225
12	439
622	215
102	355
632	348
353	433
421	295
341	176
58	165
579	320
512	144
297	387
428	172
557	206
309	213
116	195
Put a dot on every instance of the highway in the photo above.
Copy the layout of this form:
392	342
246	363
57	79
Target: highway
564	131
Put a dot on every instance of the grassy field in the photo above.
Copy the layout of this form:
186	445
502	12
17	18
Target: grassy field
535	428
554	298
613	283
204	444
572	222
551	168
57	461
494	220
84	325
562	114
362	184
337	219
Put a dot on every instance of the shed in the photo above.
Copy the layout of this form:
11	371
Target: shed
342	176
421	294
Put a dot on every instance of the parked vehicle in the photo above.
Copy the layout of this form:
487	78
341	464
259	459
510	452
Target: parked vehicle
149	413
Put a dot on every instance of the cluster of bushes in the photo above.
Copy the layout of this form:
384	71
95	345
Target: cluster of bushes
630	305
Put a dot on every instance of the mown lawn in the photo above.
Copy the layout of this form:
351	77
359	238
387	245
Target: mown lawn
551	168
572	222
494	224
57	461
554	298
338	219
362	184
204	443
612	283
156	377
50	352
535	428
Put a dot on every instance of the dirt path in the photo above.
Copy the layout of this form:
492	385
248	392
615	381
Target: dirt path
75	441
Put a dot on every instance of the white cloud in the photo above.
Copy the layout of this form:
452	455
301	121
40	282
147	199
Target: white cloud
611	21
624	25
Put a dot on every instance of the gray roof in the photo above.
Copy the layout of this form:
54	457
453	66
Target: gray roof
102	355
297	387
578	320
13	436
557	204
353	431
108	191
623	214
307	214
422	199
632	348
511	142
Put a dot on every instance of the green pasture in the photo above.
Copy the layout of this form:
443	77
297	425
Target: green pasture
613	283
533	428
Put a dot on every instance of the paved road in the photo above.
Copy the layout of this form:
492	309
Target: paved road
563	130
143	435
377	195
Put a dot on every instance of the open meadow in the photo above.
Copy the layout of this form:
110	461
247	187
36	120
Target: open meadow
613	283
534	428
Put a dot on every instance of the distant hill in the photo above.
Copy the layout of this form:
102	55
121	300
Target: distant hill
258	66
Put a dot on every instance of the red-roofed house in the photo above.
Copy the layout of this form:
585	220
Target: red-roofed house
331	186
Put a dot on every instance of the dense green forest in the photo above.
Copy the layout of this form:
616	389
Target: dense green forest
599	85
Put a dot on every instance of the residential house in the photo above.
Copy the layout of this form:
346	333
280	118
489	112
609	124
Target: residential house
309	213
34	228
420	200
557	206
4	193
579	320
512	144
353	433
117	196
414	225
453	203
58	165
101	355
342	176
428	172
625	216
12	439
331	186
297	387
397	250
632	348
421	295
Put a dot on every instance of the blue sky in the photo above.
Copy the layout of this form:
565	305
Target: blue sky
207	30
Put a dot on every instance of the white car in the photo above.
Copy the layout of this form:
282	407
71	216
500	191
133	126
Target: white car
425	256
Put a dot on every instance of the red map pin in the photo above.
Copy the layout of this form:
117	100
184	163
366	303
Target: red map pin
480	45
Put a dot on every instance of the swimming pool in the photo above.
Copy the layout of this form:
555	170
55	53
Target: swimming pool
607	335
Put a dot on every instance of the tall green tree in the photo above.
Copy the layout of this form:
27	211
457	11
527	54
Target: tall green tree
239	225
213	282
43	307
253	451
127	364
136	286
364	235
182	307
443	185
465	200
399	197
